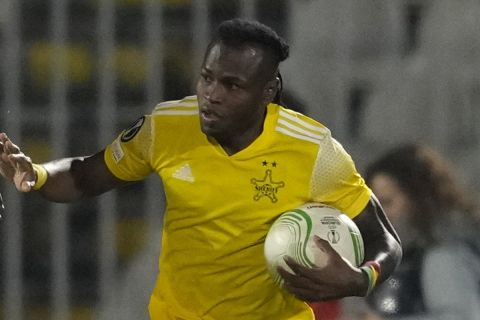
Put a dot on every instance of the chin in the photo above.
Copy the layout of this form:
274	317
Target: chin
209	130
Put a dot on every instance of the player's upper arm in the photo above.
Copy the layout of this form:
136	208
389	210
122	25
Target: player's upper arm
92	176
129	156
373	221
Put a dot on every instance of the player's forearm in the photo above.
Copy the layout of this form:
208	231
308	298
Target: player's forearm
387	252
70	179
61	185
386	247
380	239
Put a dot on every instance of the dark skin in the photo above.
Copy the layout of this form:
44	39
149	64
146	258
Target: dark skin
234	88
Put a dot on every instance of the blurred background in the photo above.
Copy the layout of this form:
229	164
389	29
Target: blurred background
73	74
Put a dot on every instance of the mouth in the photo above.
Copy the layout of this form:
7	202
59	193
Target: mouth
208	116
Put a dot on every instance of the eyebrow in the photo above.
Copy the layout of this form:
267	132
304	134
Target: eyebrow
227	77
232	78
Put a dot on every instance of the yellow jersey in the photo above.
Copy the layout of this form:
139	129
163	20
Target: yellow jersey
220	207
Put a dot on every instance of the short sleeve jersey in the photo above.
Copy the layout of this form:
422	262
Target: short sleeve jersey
220	206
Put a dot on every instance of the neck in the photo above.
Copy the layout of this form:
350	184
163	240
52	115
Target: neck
243	138
236	144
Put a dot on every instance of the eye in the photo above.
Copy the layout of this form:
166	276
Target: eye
206	77
233	86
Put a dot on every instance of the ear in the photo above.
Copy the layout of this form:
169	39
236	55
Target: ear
271	89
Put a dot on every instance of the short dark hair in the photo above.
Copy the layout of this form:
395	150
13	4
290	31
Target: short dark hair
238	32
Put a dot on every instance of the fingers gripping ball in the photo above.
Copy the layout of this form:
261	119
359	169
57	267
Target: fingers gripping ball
292	234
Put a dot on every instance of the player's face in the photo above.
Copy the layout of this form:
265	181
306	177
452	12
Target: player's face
232	94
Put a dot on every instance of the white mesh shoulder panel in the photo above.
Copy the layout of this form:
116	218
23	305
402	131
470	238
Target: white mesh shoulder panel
333	165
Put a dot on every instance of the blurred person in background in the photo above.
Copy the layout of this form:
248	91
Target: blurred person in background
439	277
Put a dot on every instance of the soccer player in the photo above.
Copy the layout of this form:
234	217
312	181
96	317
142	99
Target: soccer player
231	162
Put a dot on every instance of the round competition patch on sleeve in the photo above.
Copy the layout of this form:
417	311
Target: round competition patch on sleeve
132	131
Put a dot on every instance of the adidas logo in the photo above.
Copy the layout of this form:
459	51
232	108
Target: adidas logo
184	173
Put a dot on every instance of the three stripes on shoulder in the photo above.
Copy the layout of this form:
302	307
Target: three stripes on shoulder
292	125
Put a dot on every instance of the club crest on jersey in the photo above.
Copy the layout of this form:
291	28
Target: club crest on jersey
132	131
266	187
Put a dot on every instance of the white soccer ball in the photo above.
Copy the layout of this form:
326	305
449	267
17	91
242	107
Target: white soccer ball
292	235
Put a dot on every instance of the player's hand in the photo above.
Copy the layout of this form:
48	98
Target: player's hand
337	279
15	166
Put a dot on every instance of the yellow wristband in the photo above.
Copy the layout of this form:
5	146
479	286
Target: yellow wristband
41	174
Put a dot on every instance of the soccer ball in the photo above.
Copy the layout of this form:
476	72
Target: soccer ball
292	234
